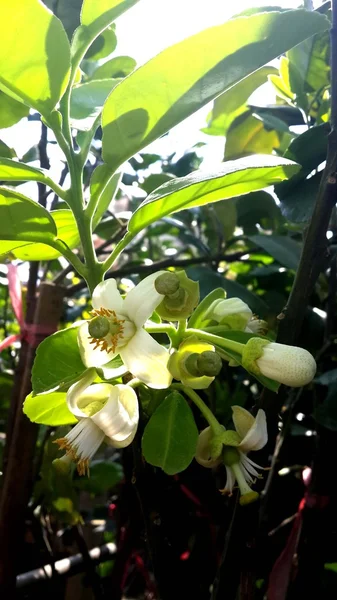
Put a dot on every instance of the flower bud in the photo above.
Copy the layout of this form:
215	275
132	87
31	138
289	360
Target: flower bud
231	312
181	300
289	365
209	363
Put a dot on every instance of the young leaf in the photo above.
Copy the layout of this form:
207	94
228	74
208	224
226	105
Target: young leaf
87	101
49	409
103	188
35	59
12	170
66	231
57	362
157	96
171	435
120	66
22	220
95	17
247	135
11	111
233	179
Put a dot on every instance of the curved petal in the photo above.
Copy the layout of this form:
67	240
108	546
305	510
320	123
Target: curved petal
242	420
119	416
76	391
106	295
147	360
203	452
91	357
257	435
126	442
142	300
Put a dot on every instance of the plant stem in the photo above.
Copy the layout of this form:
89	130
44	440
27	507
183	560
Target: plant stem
117	251
216	340
207	413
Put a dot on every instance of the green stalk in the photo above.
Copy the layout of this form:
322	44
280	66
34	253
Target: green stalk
207	413
216	340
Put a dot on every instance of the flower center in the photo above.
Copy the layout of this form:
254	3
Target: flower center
106	329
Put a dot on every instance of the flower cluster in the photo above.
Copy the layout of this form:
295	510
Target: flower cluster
107	409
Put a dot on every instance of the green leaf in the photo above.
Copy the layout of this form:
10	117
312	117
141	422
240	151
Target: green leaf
154	180
104	475
171	435
22	220
159	95
257	208
57	362
48	409
247	135
11	111
6	151
12	170
232	103
284	249
104	45
310	148
120	66
35	59
197	316
298	199
309	69
95	18
208	280
87	101
233	179
66	231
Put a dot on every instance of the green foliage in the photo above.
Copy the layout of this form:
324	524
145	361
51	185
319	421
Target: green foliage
235	178
58	362
37	72
139	110
104	475
170	437
48	409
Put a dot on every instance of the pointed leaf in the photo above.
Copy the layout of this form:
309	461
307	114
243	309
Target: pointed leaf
235	178
87	101
22	220
57	362
159	95
11	111
283	249
66	231
247	135
12	170
120	66
171	435
35	54
48	409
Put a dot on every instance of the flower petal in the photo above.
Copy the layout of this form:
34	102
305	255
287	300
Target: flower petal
257	435
203	452
142	300
106	295
147	360
91	357
76	391
119	416
243	420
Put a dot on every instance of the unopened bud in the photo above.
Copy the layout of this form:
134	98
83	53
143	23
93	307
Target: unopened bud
99	327
176	301
167	283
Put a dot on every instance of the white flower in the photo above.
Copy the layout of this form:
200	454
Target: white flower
289	365
121	322
232	312
257	326
105	413
251	434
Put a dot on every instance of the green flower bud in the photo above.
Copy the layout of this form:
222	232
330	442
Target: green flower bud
167	283
99	327
175	301
209	363
191	364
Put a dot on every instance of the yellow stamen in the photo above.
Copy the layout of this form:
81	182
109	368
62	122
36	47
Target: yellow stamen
81	465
